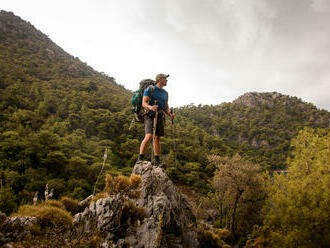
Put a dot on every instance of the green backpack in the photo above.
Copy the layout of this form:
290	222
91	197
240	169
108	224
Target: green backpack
136	99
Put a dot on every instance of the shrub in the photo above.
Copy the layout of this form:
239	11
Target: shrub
100	196
212	238
121	184
223	233
135	181
7	200
53	203
52	216
70	205
49	216
26	210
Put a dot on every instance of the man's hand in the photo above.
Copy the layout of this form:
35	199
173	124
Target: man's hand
153	108
171	114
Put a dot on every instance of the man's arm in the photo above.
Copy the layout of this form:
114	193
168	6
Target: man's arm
168	111
145	104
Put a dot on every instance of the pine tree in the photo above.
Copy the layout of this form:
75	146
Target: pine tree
298	209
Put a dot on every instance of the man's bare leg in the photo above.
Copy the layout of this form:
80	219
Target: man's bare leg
145	143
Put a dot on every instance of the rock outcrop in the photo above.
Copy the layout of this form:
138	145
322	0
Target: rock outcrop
252	99
15	228
168	220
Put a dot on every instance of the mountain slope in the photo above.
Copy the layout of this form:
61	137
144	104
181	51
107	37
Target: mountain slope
57	116
259	125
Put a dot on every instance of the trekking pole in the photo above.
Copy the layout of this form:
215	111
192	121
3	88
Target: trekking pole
174	137
154	134
132	123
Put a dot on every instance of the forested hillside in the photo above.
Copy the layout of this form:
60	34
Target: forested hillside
58	115
259	126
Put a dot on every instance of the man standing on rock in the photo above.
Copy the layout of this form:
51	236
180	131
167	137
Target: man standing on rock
155	101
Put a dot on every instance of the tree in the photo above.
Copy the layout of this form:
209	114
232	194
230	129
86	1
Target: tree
7	200
239	193
298	209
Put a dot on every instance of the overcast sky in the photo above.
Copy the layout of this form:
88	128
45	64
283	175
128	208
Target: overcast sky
214	50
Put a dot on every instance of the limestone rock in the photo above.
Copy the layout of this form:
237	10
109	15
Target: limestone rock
252	99
15	228
168	222
106	212
169	218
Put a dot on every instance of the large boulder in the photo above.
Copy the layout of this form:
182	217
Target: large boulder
168	219
105	213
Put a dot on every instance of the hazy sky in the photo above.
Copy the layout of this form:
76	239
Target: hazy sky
214	50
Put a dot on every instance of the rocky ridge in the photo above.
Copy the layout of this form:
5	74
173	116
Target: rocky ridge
252	99
168	222
269	99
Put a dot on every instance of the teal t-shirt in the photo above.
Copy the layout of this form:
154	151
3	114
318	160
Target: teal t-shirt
159	94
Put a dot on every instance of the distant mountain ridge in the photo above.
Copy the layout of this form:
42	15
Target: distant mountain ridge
253	99
13	28
259	125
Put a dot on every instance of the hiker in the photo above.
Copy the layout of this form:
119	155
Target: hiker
157	106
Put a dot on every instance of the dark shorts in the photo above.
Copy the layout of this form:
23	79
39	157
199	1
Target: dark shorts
149	123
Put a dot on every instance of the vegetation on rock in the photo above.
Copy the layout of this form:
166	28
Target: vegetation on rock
49	216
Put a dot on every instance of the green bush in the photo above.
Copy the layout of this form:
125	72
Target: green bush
7	201
212	238
70	205
100	196
49	216
52	203
124	185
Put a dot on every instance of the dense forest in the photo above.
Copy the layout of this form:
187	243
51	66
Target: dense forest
58	116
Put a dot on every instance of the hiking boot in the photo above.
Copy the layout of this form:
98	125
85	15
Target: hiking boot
139	161
160	165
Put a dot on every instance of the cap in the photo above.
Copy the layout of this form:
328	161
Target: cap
161	75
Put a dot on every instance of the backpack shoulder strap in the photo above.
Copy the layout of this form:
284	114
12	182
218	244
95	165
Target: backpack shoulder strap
152	89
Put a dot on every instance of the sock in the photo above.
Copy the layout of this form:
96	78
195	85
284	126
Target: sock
157	158
141	156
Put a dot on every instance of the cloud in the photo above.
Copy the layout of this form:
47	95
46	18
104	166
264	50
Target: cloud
214	50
